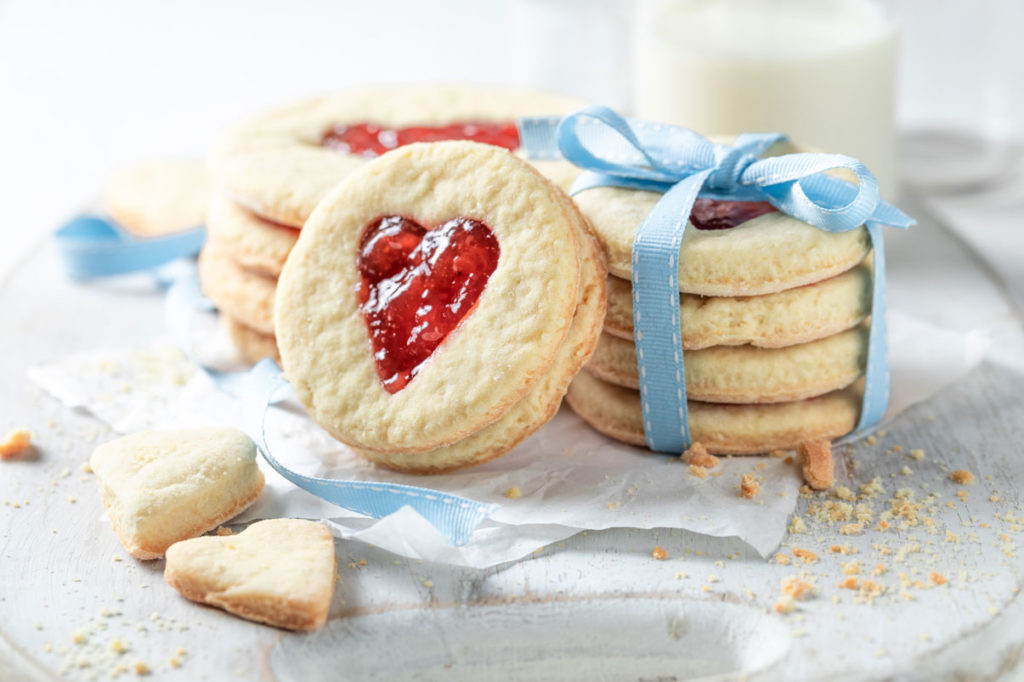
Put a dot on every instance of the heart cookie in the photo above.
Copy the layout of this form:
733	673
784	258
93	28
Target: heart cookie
157	198
160	487
453	379
280	572
540	404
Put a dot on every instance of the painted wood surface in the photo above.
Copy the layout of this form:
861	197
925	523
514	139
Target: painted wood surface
597	606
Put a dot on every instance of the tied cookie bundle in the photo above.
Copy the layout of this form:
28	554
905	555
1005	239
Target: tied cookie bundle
746	290
272	170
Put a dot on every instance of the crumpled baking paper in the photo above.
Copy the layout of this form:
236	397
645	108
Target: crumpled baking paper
563	479
944	318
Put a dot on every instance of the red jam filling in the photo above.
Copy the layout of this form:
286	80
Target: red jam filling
370	139
417	285
714	214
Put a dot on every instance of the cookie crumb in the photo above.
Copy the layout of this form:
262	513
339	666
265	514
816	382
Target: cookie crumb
15	443
513	493
818	466
778	454
222	531
937	578
796	587
140	668
805	555
698	455
782	559
785	604
917	454
698	471
173	662
962	477
851	529
659	553
749	487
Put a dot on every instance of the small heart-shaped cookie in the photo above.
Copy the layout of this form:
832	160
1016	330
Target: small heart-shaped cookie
280	572
160	487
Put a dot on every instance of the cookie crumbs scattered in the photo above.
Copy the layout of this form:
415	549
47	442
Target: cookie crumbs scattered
937	578
117	646
698	471
917	454
844	493
86	468
16	443
659	553
140	668
698	455
796	587
782	559
962	477
680	575
174	662
851	567
797	525
785	604
805	555
749	487
513	493
879	569
907	471
851	529
817	466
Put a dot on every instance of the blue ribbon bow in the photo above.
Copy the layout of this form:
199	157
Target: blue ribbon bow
684	165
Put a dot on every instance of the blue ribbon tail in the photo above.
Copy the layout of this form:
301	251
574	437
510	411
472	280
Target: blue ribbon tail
91	246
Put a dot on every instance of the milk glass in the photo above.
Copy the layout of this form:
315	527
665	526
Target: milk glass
821	71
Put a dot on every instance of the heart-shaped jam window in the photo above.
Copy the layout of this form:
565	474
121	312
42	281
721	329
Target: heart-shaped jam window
372	139
716	214
416	286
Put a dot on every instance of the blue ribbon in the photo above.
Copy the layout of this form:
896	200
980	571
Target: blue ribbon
456	517
683	166
91	246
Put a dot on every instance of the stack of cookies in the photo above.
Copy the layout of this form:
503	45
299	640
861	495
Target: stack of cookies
273	169
773	325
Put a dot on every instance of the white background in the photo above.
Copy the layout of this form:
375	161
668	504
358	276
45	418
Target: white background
86	87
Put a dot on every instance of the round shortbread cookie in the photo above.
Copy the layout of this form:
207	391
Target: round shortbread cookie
157	198
490	358
746	374
786	318
254	243
246	296
542	402
275	164
723	429
769	253
252	345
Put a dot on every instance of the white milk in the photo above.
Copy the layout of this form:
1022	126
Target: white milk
821	71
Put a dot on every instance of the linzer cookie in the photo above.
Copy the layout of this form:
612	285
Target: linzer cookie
282	163
272	170
429	294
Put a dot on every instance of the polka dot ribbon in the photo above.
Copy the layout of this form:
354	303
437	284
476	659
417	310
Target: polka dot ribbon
615	152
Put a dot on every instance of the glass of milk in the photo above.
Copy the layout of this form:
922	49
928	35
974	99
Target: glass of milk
821	71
